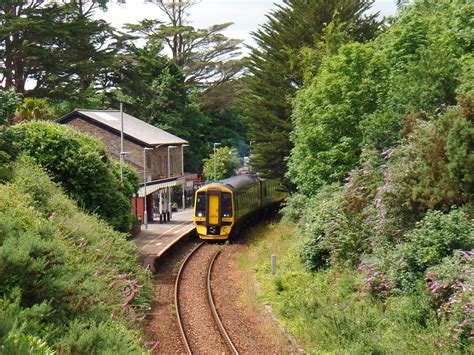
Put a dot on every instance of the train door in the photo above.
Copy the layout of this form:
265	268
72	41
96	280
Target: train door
213	207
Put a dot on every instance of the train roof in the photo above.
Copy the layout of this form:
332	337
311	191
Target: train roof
239	181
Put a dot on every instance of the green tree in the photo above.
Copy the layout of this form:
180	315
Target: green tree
153	88
223	107
56	45
327	115
226	162
82	53
275	71
360	94
207	56
9	101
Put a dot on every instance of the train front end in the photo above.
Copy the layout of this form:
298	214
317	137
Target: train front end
214	212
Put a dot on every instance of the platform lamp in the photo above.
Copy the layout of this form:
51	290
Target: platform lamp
215	146
182	172
145	214
169	175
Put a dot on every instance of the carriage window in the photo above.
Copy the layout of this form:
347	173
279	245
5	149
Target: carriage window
201	204
226	204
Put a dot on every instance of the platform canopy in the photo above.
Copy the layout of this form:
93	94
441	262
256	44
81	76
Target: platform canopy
154	186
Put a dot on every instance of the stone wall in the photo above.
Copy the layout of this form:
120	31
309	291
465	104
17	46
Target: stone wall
156	158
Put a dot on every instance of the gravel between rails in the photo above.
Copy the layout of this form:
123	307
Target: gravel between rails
198	322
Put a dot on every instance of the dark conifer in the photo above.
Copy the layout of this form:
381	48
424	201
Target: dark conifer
275	72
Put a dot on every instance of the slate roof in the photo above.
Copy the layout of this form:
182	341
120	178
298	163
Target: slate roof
134	129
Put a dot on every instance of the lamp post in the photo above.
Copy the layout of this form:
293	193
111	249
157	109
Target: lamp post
122	153
182	172
215	145
145	213
122	156
169	175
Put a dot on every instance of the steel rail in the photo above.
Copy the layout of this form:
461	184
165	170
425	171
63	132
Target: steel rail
176	302
217	318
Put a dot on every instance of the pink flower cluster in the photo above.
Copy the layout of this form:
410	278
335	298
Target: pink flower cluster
129	289
374	281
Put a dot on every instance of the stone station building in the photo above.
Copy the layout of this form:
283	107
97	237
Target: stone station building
145	146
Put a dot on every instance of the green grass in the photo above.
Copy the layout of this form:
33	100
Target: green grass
329	311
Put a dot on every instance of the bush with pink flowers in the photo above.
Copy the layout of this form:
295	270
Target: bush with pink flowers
68	281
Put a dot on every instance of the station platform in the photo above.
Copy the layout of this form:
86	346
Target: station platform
158	238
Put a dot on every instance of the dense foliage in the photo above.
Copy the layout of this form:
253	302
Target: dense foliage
336	310
383	162
70	59
9	101
58	44
359	95
68	282
276	72
80	164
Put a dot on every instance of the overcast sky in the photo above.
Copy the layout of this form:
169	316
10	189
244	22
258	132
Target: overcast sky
247	15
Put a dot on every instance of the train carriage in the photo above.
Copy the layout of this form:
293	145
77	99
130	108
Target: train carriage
223	206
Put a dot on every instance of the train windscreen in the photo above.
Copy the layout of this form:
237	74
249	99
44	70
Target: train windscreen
201	204
226	204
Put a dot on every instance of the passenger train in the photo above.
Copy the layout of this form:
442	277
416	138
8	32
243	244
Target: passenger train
222	207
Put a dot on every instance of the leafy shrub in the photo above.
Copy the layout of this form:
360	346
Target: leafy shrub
429	170
338	223
7	154
294	207
460	146
19	343
326	233
34	108
451	290
360	192
59	265
435	237
91	338
79	163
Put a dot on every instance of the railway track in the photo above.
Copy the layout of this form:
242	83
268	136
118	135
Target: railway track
201	328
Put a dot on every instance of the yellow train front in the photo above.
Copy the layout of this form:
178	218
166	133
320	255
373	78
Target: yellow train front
223	206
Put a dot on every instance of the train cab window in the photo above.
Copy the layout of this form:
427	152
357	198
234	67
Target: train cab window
226	204
201	204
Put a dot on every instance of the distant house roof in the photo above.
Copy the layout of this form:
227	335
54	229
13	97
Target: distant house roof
133	128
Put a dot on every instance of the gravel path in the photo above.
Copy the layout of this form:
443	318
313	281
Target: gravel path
251	330
198	322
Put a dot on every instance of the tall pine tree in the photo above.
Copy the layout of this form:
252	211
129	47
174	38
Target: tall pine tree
275	72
